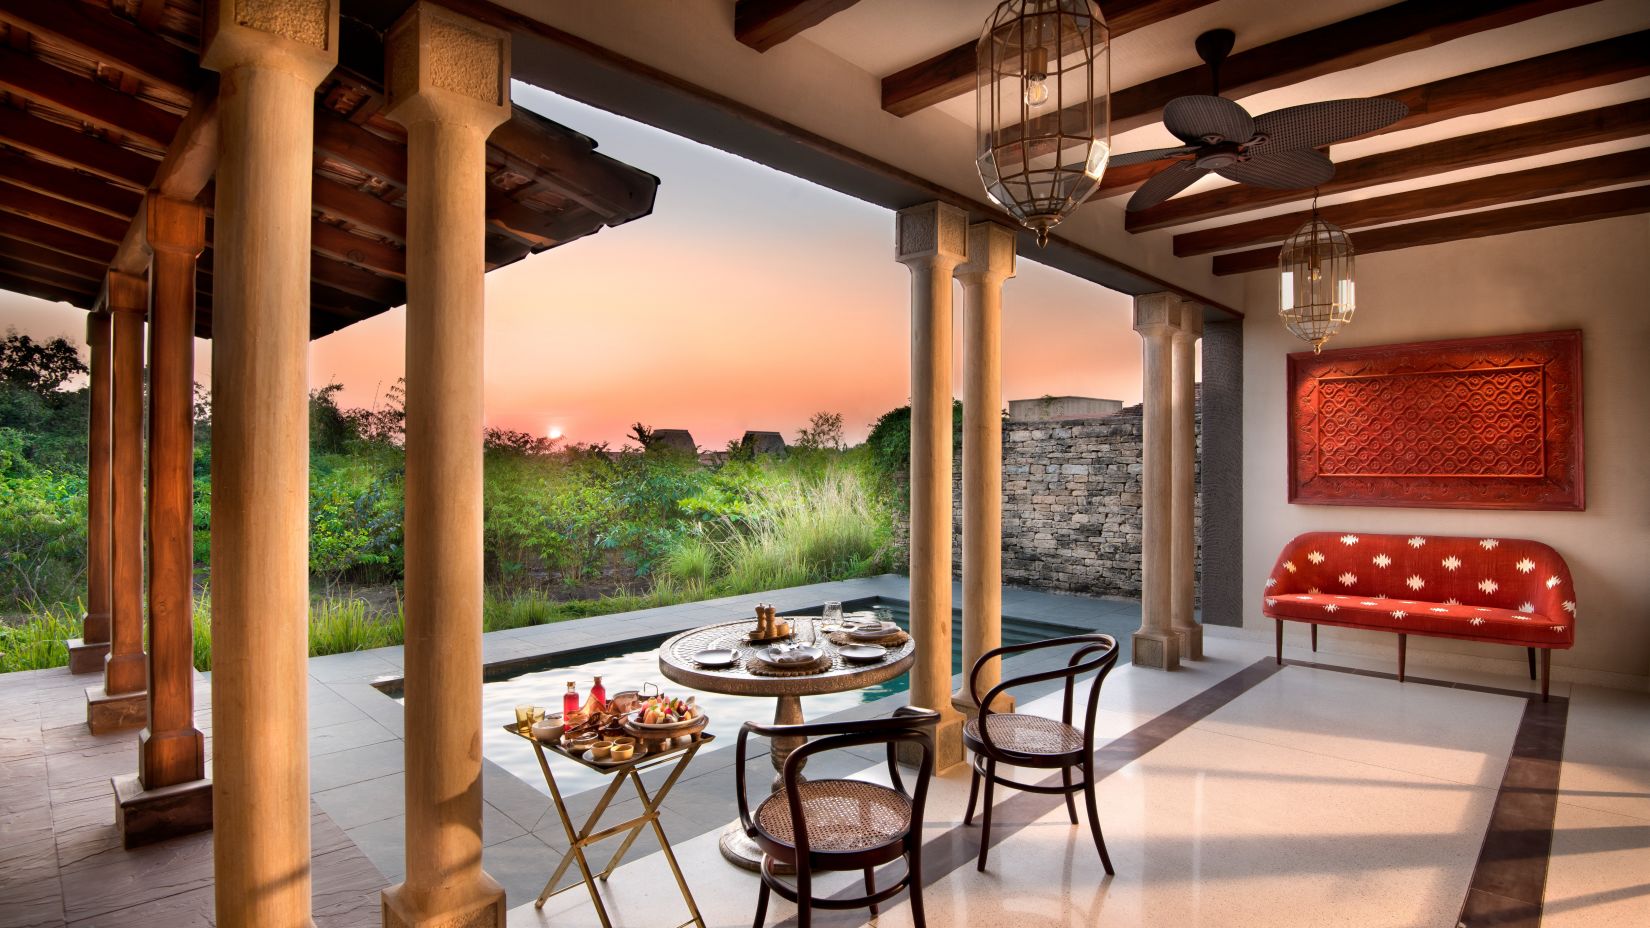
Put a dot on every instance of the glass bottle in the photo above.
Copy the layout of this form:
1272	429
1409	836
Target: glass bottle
570	701
599	693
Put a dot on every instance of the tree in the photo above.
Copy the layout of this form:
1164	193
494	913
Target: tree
39	367
824	431
642	435
510	441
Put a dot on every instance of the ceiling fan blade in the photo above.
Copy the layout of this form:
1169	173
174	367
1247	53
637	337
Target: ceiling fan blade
1151	154
1164	184
1195	118
1282	170
1314	125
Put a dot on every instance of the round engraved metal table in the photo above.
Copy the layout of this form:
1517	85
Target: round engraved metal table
676	663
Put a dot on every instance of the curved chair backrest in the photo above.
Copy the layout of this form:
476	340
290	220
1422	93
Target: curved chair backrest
907	725
1095	653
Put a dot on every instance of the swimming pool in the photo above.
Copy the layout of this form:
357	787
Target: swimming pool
629	665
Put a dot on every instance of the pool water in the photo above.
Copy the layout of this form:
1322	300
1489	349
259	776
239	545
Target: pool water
630	665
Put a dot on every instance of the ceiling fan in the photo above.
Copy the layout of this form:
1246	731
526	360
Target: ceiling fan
1277	149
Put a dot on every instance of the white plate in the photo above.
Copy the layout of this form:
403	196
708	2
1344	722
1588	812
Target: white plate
863	653
805	654
716	657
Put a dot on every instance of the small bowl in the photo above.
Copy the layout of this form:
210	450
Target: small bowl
622	752
600	749
581	742
622	739
548	730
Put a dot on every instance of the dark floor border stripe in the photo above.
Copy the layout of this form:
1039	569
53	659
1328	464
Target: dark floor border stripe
959	846
1509	880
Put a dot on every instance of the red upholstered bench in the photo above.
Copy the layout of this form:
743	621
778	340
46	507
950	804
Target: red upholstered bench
1500	590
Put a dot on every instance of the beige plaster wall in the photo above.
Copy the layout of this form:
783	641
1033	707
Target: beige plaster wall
1591	276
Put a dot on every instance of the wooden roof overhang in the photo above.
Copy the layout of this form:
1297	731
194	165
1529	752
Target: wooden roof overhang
103	100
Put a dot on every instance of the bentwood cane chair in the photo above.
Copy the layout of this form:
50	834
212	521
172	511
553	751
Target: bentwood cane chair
1033	742
815	825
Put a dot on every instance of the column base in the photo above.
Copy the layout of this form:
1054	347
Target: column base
105	713
484	907
964	703
86	658
1191	641
145	816
1157	650
948	746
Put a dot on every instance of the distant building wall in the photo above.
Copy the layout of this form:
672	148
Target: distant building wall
1049	408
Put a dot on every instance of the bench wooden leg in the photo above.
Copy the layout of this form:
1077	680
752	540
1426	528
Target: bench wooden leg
1532	662
1314	637
1280	641
1546	671
1403	645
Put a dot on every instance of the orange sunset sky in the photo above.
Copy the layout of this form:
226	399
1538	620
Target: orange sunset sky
749	299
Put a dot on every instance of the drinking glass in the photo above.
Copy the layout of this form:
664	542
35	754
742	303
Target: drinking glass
832	613
806	630
524	719
882	613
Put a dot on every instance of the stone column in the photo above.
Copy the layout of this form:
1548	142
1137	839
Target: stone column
931	240
449	84
271	56
1183	559
990	262
121	702
170	795
86	653
1155	644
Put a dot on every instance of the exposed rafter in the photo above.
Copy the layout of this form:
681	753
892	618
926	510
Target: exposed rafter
76	149
50	210
85	268
1605	124
98	34
763	24
1598	64
73	244
83	98
951	73
1584	208
68	185
1553	180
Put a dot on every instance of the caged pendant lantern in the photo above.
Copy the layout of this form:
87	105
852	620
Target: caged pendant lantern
1042	85
1316	293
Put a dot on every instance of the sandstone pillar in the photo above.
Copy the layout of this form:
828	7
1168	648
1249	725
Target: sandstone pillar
1183	543
120	702
1155	644
170	795
990	262
271	56
931	240
86	653
448	78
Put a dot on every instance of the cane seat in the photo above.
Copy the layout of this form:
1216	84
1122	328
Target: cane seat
841	815
1024	734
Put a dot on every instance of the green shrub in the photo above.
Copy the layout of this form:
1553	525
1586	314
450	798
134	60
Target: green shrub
37	643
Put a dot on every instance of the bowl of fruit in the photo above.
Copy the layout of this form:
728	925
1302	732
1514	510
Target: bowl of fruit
662	719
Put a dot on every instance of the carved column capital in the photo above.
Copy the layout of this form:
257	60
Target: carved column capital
1157	315
440	65
127	293
990	253
931	232
296	35
174	226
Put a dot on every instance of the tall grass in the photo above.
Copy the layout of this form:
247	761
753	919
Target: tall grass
37	643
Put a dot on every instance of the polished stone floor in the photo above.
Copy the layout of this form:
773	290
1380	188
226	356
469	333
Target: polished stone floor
1237	792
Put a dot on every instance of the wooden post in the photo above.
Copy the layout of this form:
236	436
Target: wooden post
931	240
121	701
270	57
86	653
170	795
449	80
990	262
1156	644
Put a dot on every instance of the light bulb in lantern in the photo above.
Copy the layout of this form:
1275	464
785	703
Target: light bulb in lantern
1036	77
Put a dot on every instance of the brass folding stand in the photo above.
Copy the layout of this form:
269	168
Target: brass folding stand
588	835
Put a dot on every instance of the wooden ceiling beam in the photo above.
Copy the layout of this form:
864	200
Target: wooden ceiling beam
950	74
1605	124
365	253
343	141
91	271
45	273
83	98
98	33
55	212
1569	210
345	204
1598	64
77	149
64	241
538	230
46	291
68	185
350	279
763	24
184	171
567	163
1553	180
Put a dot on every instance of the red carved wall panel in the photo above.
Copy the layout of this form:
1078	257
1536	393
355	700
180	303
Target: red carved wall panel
1482	423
